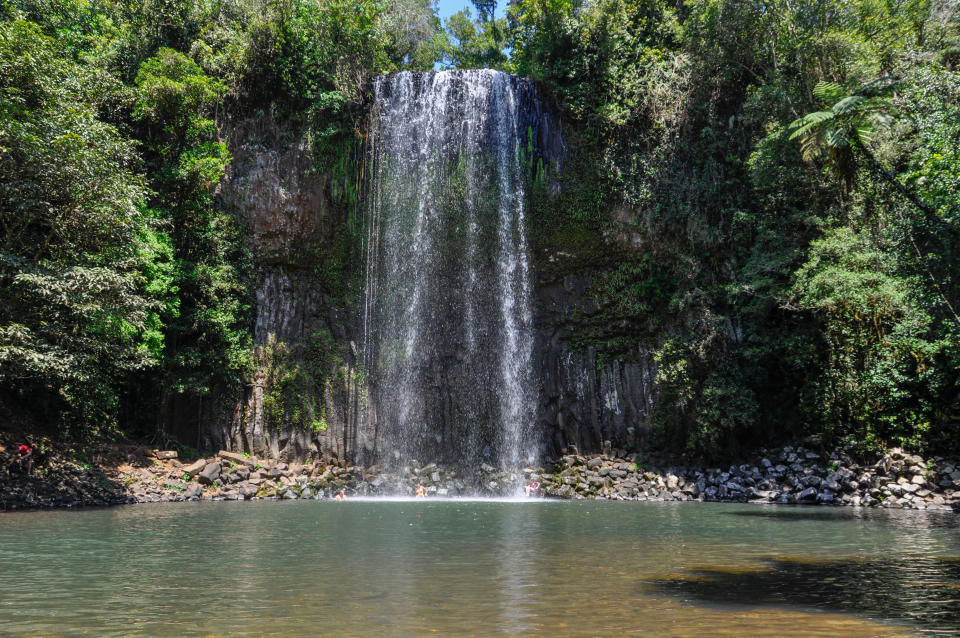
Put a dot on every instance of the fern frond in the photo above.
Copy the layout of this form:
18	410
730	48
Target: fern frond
828	91
836	138
809	148
802	125
848	104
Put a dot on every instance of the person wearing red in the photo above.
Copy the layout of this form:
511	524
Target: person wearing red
532	487
22	461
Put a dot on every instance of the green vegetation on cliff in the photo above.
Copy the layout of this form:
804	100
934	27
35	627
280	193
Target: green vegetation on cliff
770	185
125	284
764	195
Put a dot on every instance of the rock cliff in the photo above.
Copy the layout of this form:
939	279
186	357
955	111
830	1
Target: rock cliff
285	206
585	400
302	396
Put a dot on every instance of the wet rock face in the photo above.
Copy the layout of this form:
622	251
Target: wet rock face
583	404
270	183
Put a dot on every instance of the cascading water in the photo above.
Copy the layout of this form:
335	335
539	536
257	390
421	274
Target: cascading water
448	325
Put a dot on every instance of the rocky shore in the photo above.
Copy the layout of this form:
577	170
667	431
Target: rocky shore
789	475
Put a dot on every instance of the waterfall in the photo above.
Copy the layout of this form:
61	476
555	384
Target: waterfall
447	316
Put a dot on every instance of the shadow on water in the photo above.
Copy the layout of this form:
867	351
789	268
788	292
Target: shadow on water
924	592
901	519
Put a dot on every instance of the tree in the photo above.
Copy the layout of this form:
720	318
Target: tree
476	44
844	129
843	133
73	309
206	331
485	9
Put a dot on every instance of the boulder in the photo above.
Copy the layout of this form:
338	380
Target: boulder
240	459
195	467
162	455
270	473
210	473
831	485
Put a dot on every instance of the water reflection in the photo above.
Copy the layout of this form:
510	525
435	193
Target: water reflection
411	568
517	573
935	519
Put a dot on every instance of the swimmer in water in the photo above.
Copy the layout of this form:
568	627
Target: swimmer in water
340	496
421	491
532	488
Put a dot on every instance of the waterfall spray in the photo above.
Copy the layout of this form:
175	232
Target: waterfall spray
448	323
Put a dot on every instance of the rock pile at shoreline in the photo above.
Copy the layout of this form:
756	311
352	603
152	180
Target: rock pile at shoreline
160	477
790	475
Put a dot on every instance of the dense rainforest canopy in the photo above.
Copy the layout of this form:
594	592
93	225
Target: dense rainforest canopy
765	194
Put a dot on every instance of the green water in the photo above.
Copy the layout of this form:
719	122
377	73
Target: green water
413	568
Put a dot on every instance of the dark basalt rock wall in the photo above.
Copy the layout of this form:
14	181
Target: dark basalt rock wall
285	206
585	403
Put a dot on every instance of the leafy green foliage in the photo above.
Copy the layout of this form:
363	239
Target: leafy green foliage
878	380
750	204
846	126
475	44
206	336
808	290
75	314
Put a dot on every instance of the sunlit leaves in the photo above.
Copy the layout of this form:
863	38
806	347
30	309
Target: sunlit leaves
847	125
73	312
